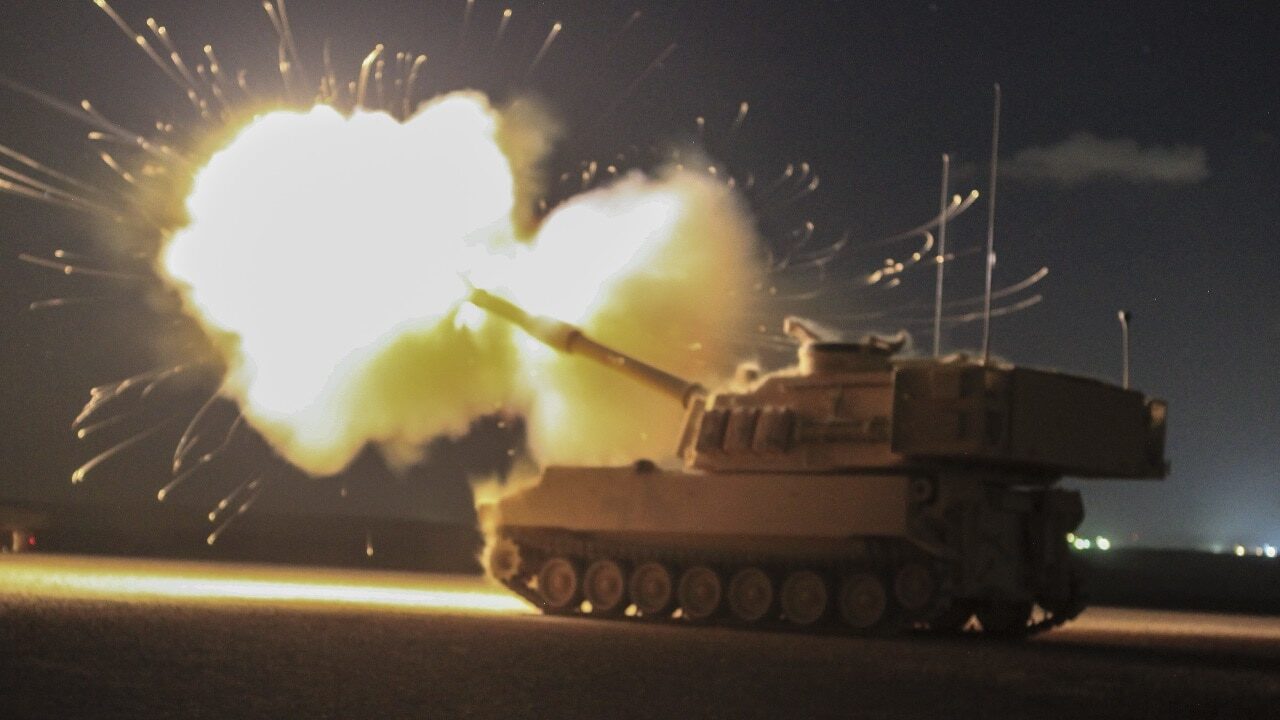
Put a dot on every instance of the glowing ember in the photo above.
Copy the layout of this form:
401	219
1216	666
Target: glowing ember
329	257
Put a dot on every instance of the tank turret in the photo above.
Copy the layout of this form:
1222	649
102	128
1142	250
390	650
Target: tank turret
853	487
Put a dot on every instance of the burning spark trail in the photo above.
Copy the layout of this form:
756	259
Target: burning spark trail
502	26
83	471
546	45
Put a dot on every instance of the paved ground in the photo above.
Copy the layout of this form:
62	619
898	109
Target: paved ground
94	638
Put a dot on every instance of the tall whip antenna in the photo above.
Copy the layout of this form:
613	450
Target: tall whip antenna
991	230
1125	317
942	256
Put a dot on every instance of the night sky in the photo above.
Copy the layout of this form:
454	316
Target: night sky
1140	152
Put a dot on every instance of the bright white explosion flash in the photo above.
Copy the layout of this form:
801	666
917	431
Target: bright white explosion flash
329	257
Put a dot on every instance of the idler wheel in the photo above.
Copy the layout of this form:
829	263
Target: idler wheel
750	594
650	588
914	586
804	597
1007	618
559	586
605	587
700	592
864	601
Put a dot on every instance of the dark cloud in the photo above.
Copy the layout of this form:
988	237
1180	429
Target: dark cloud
1084	157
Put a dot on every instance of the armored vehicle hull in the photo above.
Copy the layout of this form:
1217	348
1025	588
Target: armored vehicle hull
867	552
850	490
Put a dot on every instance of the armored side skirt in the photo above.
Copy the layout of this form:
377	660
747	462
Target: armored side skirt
635	500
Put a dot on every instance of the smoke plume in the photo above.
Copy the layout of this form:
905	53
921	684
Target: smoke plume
329	258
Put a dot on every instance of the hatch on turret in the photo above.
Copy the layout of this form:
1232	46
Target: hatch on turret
836	358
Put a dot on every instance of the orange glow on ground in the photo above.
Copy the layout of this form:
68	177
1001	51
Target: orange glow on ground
93	578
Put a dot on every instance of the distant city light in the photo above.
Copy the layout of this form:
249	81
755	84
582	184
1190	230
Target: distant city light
1084	543
1103	543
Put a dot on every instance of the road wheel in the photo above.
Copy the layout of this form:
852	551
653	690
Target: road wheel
804	597
750	594
559	586
1007	618
914	587
605	587
700	591
650	588
864	602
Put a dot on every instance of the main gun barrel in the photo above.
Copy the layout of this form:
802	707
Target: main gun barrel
571	340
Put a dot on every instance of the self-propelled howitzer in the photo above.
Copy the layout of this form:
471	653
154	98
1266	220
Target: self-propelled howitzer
853	489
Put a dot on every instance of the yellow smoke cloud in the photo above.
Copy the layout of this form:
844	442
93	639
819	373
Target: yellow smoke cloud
329	258
659	268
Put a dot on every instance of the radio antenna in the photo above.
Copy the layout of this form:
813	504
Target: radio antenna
991	229
1124	317
942	255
